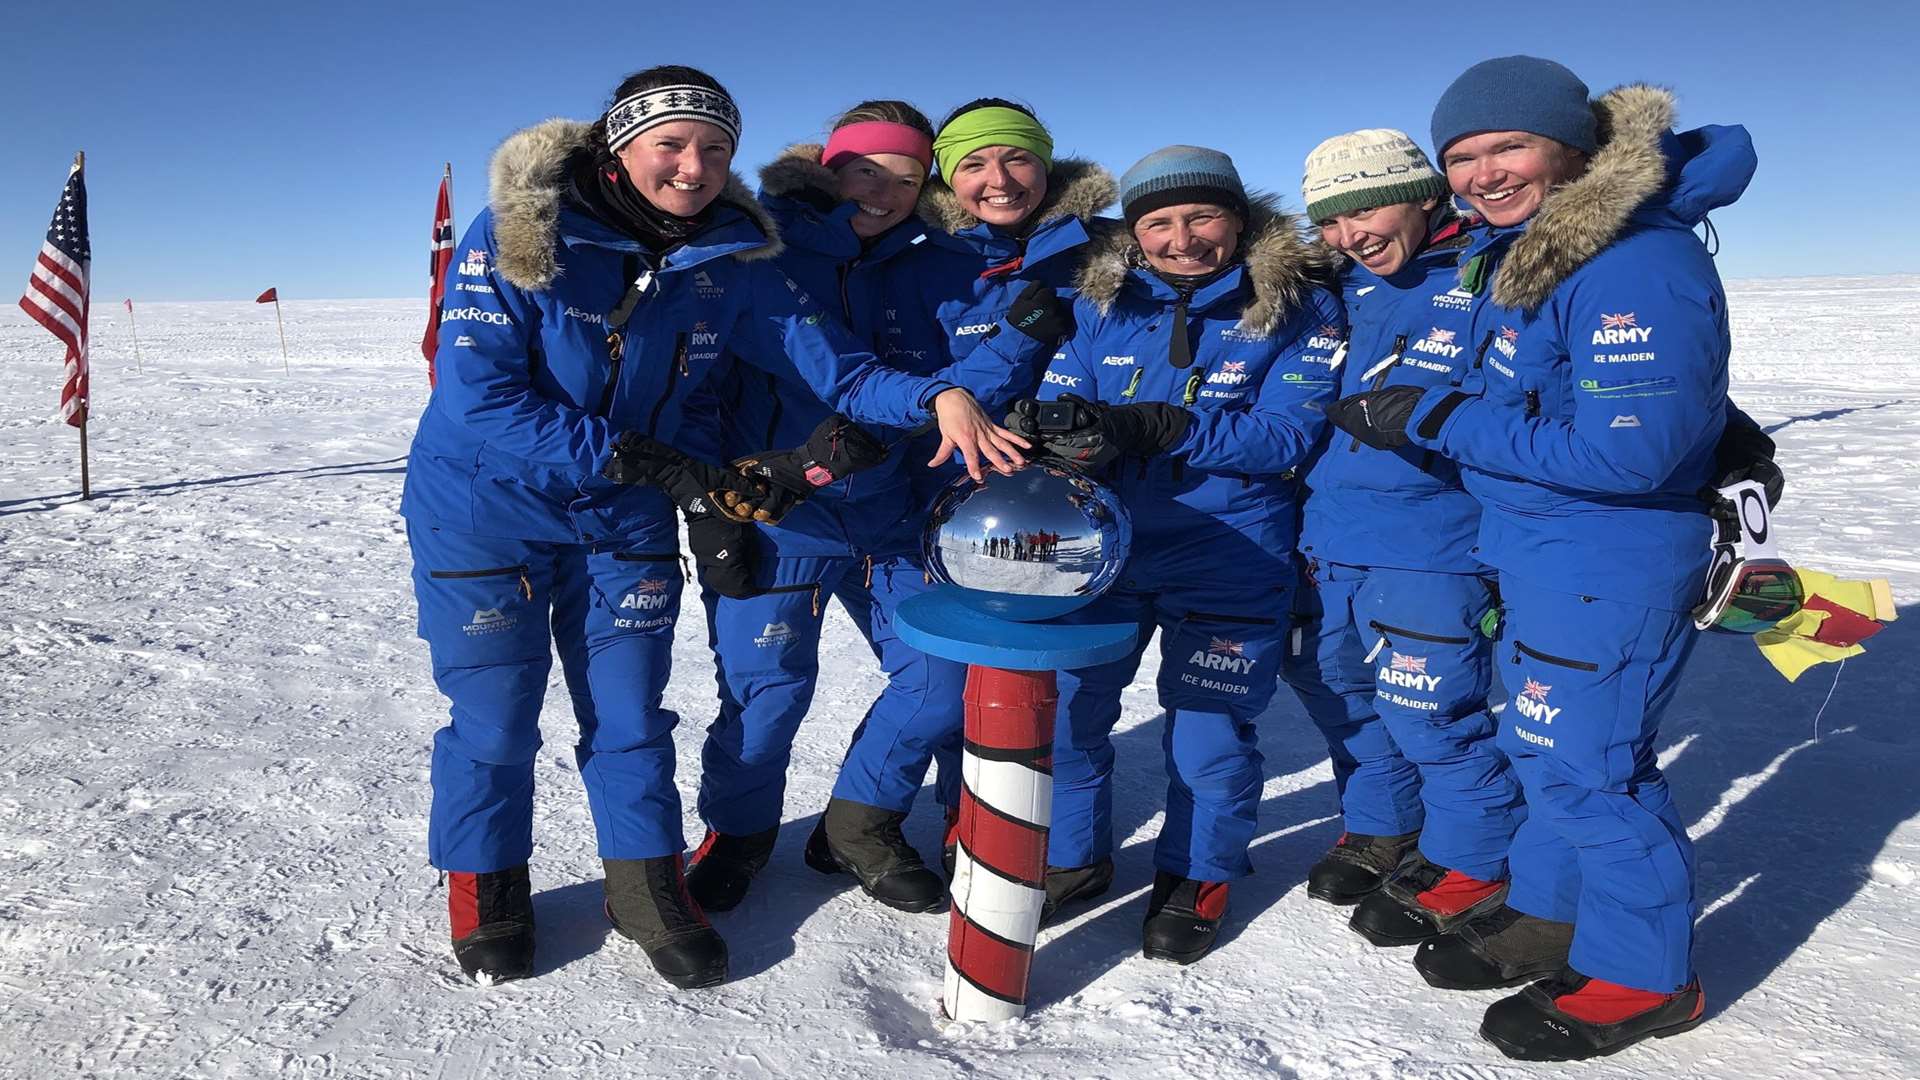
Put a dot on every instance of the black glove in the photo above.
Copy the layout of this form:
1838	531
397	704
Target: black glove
1090	435
1042	315
1745	453
723	555
695	486
1378	418
837	449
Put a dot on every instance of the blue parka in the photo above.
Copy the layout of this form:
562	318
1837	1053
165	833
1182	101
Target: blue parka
1606	391
532	391
872	511
1425	325
1222	505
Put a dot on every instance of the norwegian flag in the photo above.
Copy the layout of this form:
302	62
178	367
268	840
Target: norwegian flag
59	291
1223	647
1414	664
1535	690
1617	322
1508	333
652	585
1234	365
439	257
1440	337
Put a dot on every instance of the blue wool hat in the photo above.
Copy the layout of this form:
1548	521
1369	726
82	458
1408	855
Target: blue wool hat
1180	174
1515	93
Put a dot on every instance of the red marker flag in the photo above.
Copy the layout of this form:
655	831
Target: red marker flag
271	296
129	305
59	290
439	256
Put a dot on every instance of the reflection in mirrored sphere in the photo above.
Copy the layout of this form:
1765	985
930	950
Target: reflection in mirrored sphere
1033	545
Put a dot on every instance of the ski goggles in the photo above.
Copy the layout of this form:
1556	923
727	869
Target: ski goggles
1753	597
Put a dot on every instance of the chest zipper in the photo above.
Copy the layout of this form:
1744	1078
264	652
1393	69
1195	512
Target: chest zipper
666	393
1133	384
1479	357
1533	404
616	355
1379	372
773	420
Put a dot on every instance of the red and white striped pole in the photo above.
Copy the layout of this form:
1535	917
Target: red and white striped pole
1006	807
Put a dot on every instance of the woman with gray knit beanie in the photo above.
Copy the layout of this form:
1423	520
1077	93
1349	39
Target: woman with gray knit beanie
1600	422
1194	385
1391	662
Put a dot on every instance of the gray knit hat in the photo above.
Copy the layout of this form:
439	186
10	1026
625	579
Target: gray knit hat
1173	175
1366	168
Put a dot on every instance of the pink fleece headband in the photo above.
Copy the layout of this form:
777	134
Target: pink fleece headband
870	137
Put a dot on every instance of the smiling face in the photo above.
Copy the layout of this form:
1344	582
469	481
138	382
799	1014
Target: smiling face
1000	185
1380	238
1506	175
1190	239
884	187
679	167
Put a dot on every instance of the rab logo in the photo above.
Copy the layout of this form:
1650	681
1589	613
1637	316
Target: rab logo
1621	330
476	262
1409	672
651	594
1222	654
1531	703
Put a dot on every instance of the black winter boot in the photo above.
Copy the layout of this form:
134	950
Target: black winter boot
722	867
1183	918
1422	900
1073	884
1356	866
647	902
1501	948
1571	1017
491	916
866	841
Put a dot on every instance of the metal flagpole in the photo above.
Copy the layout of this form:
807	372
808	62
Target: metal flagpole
86	404
284	365
135	325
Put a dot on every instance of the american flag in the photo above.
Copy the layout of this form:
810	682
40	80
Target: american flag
58	292
439	255
1224	647
1535	690
1617	322
1443	337
1415	664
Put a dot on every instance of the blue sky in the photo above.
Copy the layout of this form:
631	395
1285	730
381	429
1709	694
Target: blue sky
231	147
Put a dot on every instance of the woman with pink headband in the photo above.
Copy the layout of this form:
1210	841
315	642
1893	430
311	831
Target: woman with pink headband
846	212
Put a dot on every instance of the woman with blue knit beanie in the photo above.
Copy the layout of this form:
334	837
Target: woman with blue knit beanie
1195	383
1600	422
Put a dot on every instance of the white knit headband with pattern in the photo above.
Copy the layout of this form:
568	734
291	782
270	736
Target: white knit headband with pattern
650	108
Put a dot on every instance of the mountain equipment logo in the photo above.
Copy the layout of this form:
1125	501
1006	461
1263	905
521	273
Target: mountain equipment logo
476	262
776	633
463	342
1621	329
489	621
1532	703
1629	420
704	285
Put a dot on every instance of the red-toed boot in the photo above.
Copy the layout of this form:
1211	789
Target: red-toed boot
1571	1017
1423	900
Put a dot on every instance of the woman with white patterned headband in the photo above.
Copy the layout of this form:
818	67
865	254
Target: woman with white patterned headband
617	265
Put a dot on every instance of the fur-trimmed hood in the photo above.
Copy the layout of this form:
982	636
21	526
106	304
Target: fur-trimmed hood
797	174
1076	188
526	187
1280	264
1630	169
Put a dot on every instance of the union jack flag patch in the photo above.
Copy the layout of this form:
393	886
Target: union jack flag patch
1443	337
652	585
1535	690
1617	322
1414	664
1223	647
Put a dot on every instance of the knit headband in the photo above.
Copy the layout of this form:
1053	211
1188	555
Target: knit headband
870	137
990	125
636	113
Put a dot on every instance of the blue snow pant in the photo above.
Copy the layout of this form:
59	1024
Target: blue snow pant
492	612
1604	847
1394	669
1219	647
767	652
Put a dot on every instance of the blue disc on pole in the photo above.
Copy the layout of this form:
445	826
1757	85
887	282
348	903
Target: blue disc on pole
940	624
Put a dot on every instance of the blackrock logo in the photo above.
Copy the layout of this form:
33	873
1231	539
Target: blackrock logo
489	621
776	633
477	314
1058	379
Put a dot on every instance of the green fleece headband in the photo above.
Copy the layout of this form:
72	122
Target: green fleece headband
990	125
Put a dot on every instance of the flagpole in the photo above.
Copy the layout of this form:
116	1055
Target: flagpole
284	365
86	405
135	325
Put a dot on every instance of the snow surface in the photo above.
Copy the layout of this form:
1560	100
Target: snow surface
214	724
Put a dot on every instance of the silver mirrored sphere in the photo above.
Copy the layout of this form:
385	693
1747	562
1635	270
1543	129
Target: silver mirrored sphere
1030	546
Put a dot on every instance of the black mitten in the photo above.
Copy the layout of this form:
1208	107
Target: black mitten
695	486
837	449
1042	315
1745	452
723	555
